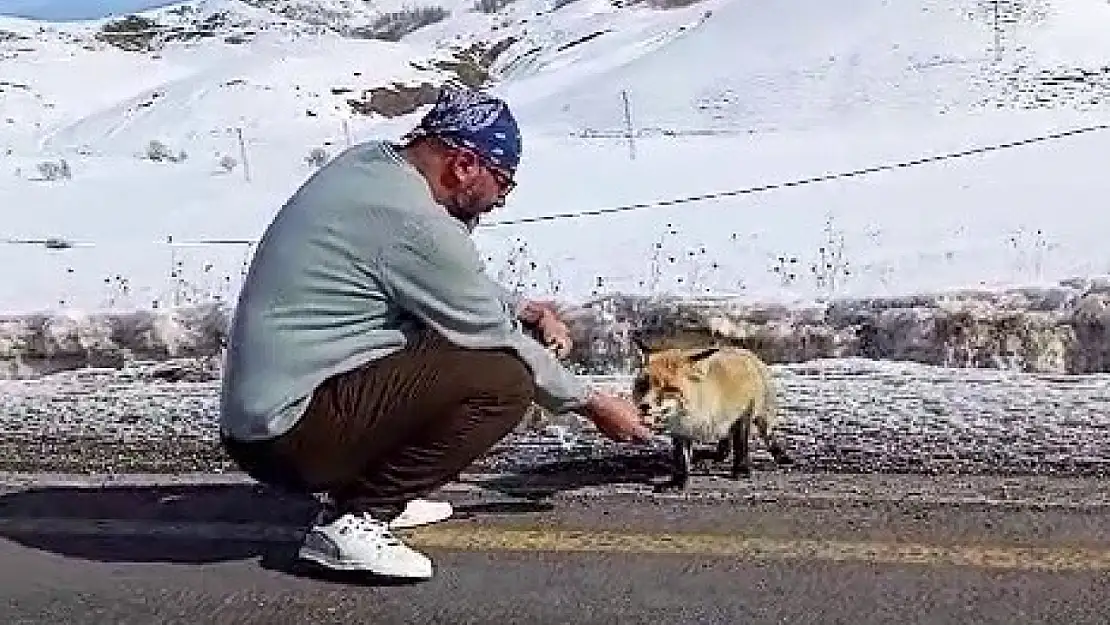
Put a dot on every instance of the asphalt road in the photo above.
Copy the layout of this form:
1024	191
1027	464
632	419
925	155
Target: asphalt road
918	495
844	549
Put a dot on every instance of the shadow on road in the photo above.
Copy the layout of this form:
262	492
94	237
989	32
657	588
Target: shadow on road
551	478
114	523
106	524
94	523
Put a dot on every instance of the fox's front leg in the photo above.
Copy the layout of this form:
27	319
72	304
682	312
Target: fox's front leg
682	453
724	447
741	459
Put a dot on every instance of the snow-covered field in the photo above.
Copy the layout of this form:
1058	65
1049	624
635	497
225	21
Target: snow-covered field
739	98
723	94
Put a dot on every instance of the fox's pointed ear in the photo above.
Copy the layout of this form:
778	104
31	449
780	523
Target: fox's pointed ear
703	354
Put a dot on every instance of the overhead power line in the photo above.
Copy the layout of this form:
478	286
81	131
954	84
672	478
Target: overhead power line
800	182
59	243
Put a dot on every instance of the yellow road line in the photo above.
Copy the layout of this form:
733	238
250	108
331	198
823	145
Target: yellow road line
473	538
491	538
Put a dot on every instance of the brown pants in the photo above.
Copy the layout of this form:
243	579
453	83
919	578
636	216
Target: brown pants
395	429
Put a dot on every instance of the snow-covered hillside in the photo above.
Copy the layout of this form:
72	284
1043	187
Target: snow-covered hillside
721	95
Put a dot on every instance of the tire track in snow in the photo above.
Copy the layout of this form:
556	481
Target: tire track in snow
109	122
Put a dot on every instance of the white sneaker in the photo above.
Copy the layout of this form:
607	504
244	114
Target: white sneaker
359	542
417	512
422	512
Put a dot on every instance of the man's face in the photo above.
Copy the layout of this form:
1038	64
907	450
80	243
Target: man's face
473	185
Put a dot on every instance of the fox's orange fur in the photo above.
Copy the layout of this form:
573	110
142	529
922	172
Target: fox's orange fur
709	395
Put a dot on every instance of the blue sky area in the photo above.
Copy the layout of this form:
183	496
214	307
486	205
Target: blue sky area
62	10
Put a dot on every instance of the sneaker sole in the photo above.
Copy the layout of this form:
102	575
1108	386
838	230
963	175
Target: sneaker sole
351	566
402	522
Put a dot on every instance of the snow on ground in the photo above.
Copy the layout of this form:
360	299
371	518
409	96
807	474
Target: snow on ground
841	415
758	93
747	66
724	95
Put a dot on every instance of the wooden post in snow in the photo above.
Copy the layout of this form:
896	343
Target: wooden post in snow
628	125
175	279
997	34
243	154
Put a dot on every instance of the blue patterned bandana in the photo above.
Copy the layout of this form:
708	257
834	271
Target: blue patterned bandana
477	121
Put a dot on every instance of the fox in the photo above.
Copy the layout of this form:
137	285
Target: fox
708	395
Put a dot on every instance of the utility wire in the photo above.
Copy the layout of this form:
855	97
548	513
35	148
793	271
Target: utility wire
56	243
800	182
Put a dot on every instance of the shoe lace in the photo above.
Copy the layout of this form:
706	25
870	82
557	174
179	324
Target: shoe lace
369	526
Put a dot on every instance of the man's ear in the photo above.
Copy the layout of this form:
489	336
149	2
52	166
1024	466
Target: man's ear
459	166
467	162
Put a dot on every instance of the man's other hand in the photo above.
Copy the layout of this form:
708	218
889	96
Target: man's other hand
617	418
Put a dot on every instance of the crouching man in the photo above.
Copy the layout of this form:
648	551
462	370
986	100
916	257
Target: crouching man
371	359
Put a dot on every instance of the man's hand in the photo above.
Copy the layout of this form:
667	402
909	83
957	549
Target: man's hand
554	334
551	330
617	418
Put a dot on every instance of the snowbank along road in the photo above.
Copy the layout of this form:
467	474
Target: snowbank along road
847	415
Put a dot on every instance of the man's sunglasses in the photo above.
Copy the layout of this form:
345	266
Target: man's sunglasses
504	180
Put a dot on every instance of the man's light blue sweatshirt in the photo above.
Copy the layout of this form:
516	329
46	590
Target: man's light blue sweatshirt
358	257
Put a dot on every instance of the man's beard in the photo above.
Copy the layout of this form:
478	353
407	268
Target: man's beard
467	206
